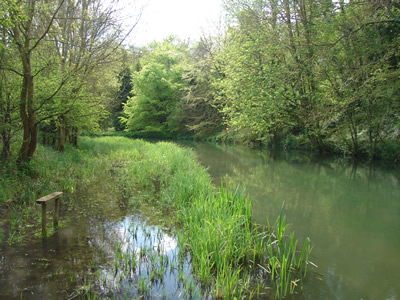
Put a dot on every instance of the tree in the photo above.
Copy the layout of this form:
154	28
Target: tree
360	74
8	105
199	114
152	111
27	35
60	44
312	69
253	92
125	90
11	15
86	36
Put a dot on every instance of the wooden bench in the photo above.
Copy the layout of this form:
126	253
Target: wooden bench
43	201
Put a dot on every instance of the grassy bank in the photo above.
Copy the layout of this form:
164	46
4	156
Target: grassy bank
231	256
49	171
387	151
228	250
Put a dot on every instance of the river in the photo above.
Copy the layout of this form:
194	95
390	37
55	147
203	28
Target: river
350	212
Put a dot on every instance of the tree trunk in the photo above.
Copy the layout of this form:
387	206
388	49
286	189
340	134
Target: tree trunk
24	33
61	135
23	152
26	108
74	137
27	113
5	109
6	130
5	152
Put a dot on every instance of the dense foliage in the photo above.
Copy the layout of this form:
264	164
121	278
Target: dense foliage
297	74
172	93
319	75
152	110
319	72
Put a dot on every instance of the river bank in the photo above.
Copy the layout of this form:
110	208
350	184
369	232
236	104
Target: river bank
220	251
349	209
388	152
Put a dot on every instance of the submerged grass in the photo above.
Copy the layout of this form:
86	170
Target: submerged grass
231	256
48	172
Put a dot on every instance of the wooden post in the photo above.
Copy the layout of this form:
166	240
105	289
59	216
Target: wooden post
44	220
56	212
56	196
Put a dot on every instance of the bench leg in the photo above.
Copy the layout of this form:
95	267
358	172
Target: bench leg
56	213
44	220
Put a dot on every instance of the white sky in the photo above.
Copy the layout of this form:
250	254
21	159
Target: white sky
187	19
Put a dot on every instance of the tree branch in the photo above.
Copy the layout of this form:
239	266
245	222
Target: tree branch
12	70
52	95
361	27
48	27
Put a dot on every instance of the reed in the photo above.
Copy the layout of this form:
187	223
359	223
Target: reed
215	225
227	249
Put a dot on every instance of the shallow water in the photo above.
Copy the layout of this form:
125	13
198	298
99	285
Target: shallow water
104	246
350	212
60	266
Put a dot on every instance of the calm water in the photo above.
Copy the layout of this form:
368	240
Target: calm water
350	212
104	245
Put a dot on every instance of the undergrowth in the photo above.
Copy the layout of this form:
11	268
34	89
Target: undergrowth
228	250
230	254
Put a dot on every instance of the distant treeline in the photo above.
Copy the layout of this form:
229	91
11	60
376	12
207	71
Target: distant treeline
303	74
316	75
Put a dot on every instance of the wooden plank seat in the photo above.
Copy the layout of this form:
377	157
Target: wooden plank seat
43	201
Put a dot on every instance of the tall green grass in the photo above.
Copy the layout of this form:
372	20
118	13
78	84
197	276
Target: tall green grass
49	171
228	250
230	254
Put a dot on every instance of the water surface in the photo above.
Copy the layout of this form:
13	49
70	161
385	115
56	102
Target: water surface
104	246
350	212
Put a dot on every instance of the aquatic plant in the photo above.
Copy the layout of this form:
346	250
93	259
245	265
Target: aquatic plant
216	233
227	249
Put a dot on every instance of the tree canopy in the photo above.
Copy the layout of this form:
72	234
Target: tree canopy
57	51
319	75
318	70
156	89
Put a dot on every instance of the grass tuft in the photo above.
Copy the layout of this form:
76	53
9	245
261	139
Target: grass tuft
227	248
231	256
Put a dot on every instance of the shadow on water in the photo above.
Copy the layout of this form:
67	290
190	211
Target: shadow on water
350	211
103	246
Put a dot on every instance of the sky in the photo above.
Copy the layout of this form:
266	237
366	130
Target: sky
187	19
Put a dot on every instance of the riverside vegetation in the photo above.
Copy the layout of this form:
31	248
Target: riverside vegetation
229	254
316	75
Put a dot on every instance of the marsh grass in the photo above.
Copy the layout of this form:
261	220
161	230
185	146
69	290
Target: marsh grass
229	255
48	172
228	251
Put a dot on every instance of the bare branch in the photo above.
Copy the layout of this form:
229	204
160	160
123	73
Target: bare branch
48	26
12	70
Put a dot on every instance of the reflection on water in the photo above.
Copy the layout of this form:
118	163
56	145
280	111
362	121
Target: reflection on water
351	213
103	246
147	262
